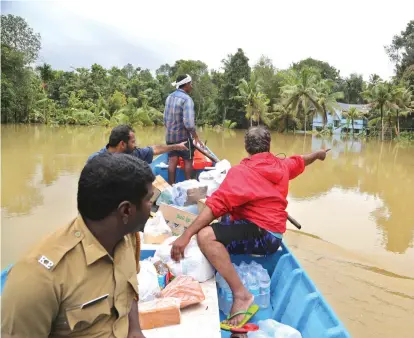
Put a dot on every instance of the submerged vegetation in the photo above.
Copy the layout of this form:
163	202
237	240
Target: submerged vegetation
236	95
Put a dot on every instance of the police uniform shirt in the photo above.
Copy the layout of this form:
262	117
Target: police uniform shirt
69	286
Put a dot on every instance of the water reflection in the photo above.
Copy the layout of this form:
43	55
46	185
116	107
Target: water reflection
363	189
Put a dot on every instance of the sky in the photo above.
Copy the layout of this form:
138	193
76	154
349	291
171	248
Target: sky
348	35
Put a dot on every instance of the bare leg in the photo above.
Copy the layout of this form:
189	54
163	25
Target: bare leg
172	167
218	256
188	169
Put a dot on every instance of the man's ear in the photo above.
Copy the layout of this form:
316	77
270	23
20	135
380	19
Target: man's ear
124	210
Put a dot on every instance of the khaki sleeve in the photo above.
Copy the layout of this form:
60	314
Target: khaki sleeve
29	301
136	240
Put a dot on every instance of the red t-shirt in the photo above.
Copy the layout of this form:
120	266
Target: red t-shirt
256	190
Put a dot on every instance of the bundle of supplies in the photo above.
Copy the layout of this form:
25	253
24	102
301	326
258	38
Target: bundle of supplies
213	178
186	289
156	229
194	263
188	192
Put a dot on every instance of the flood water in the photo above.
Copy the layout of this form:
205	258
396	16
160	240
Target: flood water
356	209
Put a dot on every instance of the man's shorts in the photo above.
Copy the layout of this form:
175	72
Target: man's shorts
185	154
244	237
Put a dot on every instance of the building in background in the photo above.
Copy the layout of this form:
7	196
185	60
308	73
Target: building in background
338	122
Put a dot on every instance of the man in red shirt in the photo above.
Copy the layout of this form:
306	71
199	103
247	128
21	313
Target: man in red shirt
254	194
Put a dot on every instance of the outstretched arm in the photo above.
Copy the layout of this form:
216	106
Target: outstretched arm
317	155
161	149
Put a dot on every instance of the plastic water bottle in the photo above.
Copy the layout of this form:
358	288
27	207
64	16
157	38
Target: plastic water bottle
253	286
274	329
264	282
219	283
228	299
257	334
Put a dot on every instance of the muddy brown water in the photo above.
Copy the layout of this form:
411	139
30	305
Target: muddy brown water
356	208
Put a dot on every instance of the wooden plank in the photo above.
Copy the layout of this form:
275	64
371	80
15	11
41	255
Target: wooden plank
201	320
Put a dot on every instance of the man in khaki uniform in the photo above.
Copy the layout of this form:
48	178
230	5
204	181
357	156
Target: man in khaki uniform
81	281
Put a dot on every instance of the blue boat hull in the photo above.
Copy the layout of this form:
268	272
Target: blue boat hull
295	300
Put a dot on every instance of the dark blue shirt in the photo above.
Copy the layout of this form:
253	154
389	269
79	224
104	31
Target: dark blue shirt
146	154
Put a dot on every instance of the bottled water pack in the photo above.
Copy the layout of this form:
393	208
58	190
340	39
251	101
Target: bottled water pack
270	328
254	277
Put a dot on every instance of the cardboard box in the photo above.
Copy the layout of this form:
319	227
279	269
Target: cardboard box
159	185
178	219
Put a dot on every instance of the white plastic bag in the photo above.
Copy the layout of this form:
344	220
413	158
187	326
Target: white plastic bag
279	330
194	263
148	287
213	178
156	230
188	192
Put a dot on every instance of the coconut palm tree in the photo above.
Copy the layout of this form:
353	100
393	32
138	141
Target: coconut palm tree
283	115
255	101
302	92
381	97
352	115
328	99
405	103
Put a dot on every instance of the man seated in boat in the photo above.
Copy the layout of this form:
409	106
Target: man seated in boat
254	194
122	140
81	281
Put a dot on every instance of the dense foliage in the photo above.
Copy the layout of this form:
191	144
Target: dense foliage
234	96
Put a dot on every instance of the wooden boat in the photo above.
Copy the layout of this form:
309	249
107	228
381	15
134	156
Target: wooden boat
295	300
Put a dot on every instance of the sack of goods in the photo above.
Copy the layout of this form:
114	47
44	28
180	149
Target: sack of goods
194	263
156	230
188	192
186	289
213	178
149	288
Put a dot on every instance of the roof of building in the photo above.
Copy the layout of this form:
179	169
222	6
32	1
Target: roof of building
361	107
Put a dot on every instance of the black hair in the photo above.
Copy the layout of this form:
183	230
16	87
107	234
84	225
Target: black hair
118	134
257	140
180	78
109	179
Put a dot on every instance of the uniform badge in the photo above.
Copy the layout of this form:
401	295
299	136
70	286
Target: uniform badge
46	262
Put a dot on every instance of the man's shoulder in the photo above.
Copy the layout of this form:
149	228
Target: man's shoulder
101	151
48	253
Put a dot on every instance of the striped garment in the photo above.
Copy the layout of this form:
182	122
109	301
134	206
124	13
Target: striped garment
179	117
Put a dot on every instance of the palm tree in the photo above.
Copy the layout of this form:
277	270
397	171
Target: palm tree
328	99
405	102
301	92
381	97
352	115
282	114
255	101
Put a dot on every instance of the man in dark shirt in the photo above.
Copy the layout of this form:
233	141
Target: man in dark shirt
122	140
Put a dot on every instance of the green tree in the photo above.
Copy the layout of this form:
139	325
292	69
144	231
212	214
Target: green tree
352	87
236	67
255	102
381	97
401	49
301	95
283	116
17	34
404	100
325	69
351	115
327	99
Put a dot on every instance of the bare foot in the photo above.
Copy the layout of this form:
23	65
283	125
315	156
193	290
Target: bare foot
240	303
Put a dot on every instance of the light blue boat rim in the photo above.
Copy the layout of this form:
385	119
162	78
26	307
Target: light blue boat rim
295	299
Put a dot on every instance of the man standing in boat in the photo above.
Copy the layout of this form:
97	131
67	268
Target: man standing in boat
122	140
254	194
81	281
179	121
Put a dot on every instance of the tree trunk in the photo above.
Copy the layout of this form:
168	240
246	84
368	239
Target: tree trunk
305	122
287	124
352	121
224	115
398	124
382	123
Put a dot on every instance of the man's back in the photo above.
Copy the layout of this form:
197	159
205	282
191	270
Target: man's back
178	116
68	286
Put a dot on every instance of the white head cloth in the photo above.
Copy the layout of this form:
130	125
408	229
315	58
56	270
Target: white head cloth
183	81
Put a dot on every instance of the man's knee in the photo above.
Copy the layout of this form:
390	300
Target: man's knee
206	235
